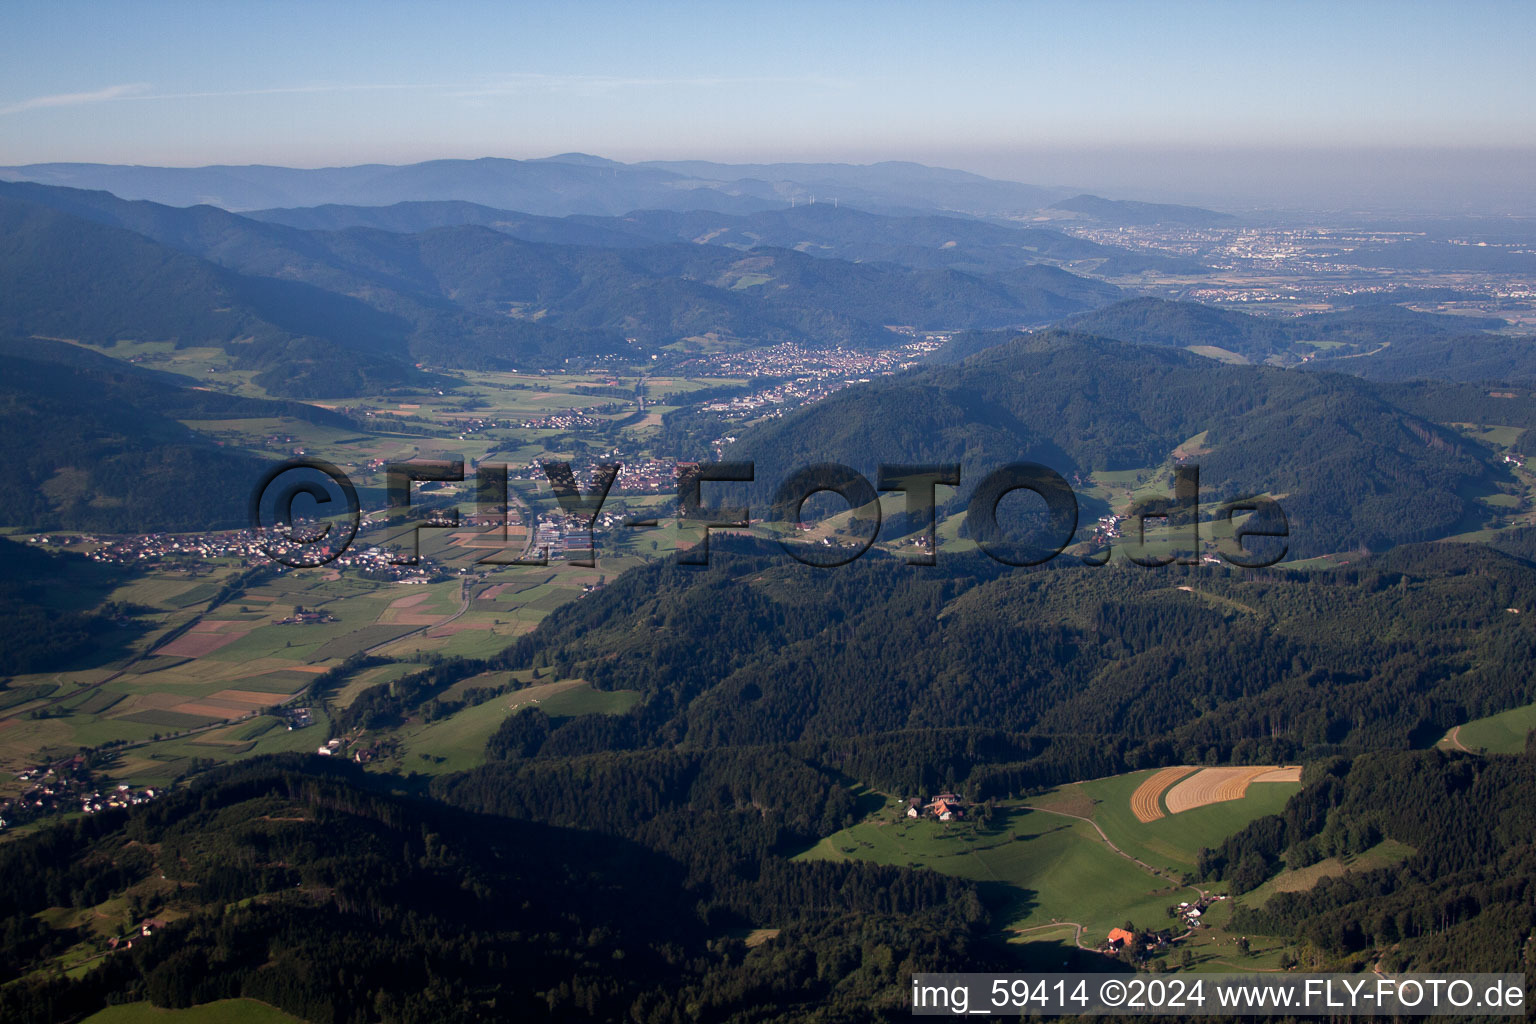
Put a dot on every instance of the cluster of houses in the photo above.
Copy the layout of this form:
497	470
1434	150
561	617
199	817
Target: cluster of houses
813	364
145	929
123	796
944	807
1190	913
570	419
297	718
337	748
306	617
60	787
1120	939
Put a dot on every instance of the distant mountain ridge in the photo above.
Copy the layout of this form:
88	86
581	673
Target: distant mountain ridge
555	186
459	296
817	229
1131	213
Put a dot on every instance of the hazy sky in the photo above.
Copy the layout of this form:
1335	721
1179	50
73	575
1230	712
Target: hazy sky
1054	93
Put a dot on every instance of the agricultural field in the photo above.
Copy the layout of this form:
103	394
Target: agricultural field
202	675
179	692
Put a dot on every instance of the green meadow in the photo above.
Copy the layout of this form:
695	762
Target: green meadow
1503	733
225	1011
1045	864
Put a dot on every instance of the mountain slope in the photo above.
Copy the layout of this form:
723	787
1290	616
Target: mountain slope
1354	469
1350	341
819	229
104	448
468	295
67	277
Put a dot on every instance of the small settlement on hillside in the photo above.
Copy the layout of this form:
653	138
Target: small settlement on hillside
945	807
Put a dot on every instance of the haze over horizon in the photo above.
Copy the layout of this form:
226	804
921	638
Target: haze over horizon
1374	107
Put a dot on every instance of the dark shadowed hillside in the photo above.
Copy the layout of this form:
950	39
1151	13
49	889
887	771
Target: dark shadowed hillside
1355	470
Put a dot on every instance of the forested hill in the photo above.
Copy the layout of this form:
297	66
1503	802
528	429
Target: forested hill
471	296
1378	341
310	886
73	278
1463	897
105	448
817	229
1355	470
1129	212
1109	668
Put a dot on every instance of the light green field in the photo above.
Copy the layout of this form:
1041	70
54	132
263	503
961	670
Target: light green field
1384	854
1496	434
457	743
584	700
1056	868
1219	354
1503	733
225	1011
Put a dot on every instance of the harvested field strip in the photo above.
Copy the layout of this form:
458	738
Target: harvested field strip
251	698
155	663
277	682
214	709
169	719
1145	803
1292	774
195	645
368	636
97	702
1214	785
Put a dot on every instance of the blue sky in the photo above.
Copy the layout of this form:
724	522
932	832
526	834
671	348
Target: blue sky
988	86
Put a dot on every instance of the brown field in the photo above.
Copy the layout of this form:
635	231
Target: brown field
1144	802
194	645
416	619
213	625
1216	785
407	602
458	627
1068	799
255	698
1292	774
490	538
210	708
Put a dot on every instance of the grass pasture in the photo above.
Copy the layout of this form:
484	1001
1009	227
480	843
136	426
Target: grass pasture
1384	854
1503	733
224	1011
457	743
1047	868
